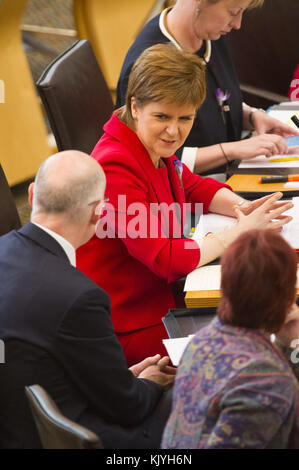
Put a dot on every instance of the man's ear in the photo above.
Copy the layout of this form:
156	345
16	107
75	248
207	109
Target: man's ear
30	193
94	218
96	214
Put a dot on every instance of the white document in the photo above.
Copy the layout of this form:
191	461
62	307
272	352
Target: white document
194	282
175	347
207	277
218	223
291	184
284	112
213	223
290	160
263	162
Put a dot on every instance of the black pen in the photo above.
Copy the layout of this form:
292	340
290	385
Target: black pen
278	179
295	120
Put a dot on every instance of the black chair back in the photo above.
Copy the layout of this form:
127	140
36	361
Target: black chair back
76	98
55	430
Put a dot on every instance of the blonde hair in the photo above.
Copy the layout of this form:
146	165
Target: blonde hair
164	73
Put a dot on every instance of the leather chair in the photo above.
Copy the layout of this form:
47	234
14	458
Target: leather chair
55	430
76	98
9	217
265	51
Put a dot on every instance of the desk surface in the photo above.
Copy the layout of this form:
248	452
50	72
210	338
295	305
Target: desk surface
246	185
249	187
205	298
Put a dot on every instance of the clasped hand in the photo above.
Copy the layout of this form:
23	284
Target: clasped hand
156	369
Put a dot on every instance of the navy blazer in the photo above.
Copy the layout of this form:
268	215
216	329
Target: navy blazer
56	327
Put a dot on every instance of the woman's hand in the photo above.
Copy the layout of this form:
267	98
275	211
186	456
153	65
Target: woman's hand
265	214
293	150
265	144
264	123
249	206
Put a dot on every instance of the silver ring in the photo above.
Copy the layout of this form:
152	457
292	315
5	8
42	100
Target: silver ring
240	203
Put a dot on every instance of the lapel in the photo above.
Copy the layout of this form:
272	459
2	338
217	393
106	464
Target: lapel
43	239
119	131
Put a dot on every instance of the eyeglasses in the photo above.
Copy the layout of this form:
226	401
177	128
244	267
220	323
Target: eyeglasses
106	199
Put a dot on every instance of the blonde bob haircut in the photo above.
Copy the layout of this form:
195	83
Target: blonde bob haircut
163	73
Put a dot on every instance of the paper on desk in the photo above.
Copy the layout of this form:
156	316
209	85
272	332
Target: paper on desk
204	278
209	277
175	348
263	162
284	112
213	223
218	223
291	184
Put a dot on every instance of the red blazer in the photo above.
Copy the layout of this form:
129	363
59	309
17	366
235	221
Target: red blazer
137	272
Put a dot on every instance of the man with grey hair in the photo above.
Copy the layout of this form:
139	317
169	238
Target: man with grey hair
56	326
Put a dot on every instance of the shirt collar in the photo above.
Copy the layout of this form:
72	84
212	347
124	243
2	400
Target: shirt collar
65	244
164	30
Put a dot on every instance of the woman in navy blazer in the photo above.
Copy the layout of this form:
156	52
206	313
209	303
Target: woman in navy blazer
139	250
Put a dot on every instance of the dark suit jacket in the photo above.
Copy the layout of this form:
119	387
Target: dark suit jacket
55	323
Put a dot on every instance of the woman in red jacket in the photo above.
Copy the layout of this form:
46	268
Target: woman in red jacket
139	249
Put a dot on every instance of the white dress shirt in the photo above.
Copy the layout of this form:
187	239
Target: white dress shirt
68	248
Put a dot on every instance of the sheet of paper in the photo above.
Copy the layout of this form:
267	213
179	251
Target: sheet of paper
204	278
218	223
263	162
285	112
213	223
291	184
195	280
209	277
175	347
289	160
290	231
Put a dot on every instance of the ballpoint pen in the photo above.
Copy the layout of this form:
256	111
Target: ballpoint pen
295	120
278	179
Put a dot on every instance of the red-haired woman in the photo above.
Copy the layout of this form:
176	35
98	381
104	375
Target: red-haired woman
234	388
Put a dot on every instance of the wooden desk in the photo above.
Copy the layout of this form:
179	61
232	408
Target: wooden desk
248	186
205	298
